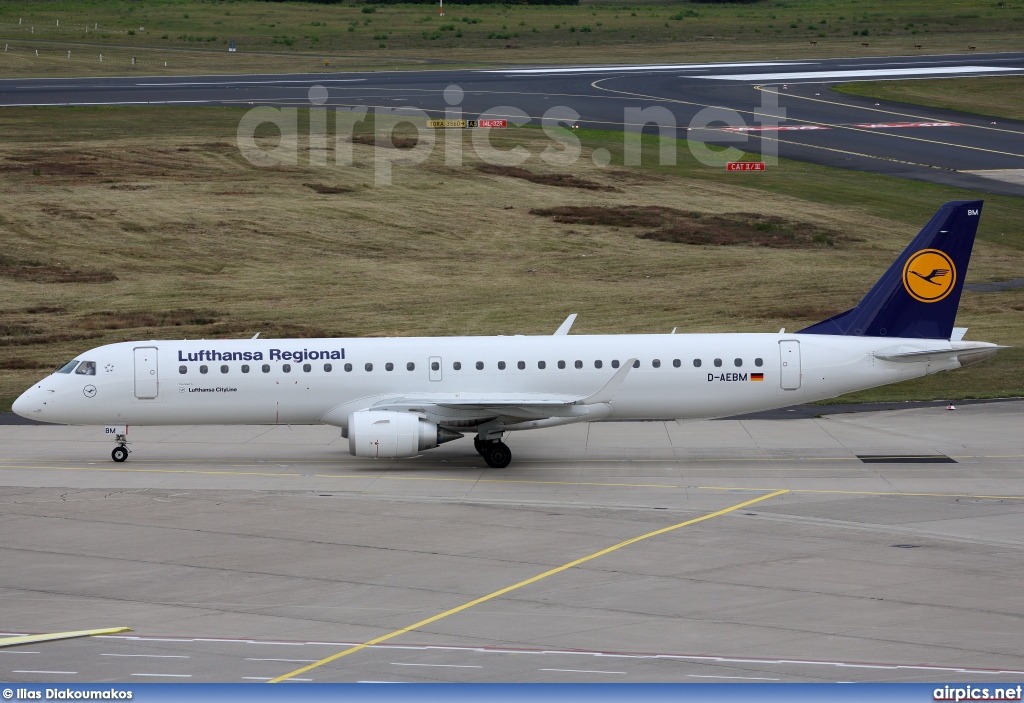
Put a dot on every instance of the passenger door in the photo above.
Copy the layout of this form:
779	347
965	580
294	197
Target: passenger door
789	353
147	378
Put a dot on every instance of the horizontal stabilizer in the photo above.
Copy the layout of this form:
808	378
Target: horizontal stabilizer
965	352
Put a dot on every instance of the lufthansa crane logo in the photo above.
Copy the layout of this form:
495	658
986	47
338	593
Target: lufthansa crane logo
929	275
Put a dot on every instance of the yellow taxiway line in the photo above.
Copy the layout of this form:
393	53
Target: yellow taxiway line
526	582
28	639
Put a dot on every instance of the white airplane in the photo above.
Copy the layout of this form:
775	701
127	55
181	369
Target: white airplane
396	397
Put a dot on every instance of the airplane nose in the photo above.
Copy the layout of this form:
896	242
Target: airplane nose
26	403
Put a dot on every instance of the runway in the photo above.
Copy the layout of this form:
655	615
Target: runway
875	546
820	126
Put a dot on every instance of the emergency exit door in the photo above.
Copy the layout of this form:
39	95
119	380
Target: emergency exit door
789	353
147	378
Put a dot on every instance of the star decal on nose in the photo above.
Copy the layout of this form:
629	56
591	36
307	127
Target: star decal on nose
109	368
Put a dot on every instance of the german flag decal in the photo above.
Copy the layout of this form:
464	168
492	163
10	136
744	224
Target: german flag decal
757	377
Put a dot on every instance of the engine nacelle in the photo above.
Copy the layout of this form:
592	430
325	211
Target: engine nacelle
386	434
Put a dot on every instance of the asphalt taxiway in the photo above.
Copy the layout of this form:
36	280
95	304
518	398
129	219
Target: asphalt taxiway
819	125
849	547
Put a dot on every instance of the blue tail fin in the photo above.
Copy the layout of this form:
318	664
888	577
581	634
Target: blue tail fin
918	296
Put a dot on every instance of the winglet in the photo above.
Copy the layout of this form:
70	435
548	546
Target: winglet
563	329
606	394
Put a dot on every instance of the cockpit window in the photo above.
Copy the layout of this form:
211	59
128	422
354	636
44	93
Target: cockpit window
68	367
86	368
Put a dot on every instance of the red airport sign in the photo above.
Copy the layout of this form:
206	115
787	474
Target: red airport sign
745	166
492	123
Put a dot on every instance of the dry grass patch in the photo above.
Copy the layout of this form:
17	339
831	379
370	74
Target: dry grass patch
328	190
563	180
693	227
40	272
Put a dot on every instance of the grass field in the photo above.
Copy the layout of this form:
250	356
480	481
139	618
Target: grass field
1001	96
278	37
136	223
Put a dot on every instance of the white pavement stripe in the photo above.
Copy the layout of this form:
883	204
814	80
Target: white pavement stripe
257	678
584	671
172	676
450	666
267	82
651	67
290	661
741	678
16	651
29	671
150	656
869	73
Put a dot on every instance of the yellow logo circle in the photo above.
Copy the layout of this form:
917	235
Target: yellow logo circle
929	275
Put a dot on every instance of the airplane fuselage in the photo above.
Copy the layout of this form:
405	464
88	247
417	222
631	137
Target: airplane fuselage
307	381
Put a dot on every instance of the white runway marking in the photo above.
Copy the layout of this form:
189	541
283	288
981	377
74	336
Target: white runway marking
290	661
652	67
448	666
869	73
172	676
150	656
29	671
266	82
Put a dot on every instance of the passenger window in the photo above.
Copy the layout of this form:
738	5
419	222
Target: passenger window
718	362
348	367
636	364
501	365
656	363
696	363
183	370
307	367
479	366
738	362
615	363
328	368
389	366
368	366
758	361
542	365
579	364
245	368
203	369
224	368
410	366
598	364
287	368
435	366
561	364
68	367
677	363
266	368
86	368
457	366
521	365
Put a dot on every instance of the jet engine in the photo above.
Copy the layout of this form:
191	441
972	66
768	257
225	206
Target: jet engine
386	434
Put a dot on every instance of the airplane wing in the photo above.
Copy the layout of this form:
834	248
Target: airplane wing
464	406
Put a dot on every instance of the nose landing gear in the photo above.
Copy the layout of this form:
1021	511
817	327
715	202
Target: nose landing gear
121	451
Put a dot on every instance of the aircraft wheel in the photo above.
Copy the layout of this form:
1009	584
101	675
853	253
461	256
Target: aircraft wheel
119	454
481	446
498	455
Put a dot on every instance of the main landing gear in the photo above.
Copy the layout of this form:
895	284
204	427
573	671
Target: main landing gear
120	452
495	452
